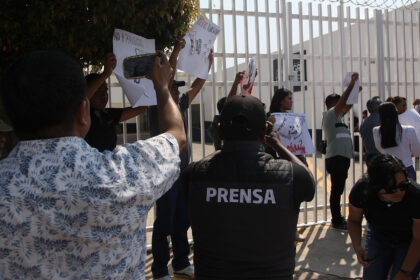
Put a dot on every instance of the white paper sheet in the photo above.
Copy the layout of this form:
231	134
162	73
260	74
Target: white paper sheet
247	82
293	132
194	57
140	92
354	94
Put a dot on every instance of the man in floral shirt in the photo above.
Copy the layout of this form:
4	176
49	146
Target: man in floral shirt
68	211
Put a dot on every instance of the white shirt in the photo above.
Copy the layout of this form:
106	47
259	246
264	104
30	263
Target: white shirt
411	117
68	211
407	147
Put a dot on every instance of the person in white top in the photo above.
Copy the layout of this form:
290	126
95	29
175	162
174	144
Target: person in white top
395	139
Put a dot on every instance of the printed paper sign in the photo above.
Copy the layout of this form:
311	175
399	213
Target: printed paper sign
247	82
140	92
354	94
194	57
294	134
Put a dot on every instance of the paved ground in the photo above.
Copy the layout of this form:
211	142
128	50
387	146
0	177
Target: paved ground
325	254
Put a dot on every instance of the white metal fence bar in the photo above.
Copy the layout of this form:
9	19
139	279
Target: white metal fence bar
257	41
396	52
313	125
268	42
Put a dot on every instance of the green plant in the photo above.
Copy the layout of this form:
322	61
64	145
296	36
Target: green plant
84	28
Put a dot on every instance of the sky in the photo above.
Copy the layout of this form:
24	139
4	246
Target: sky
261	4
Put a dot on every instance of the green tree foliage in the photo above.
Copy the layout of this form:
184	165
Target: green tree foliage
84	28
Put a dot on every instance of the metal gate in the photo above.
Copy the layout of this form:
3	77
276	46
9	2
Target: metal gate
307	48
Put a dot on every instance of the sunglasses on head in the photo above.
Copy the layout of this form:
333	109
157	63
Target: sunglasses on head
393	189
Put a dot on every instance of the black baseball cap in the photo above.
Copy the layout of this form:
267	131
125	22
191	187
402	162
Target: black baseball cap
242	118
178	83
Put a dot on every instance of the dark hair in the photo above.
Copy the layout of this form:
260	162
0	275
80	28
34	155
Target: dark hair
373	104
243	118
221	104
43	89
333	97
277	99
382	168
89	78
390	126
396	99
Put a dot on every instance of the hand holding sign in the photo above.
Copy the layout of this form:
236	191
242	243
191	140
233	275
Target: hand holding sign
140	91
161	72
109	64
247	82
352	79
272	138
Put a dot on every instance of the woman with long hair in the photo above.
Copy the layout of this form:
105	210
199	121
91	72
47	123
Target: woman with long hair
282	102
393	138
391	205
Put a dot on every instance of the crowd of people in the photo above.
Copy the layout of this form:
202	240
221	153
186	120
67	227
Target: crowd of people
74	205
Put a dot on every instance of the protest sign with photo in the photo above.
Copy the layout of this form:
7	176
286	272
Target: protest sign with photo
194	57
140	92
293	132
247	82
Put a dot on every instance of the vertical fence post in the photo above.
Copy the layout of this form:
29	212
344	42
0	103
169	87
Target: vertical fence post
380	53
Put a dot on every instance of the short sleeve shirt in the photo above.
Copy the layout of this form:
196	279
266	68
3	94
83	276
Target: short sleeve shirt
103	131
394	221
68	211
337	135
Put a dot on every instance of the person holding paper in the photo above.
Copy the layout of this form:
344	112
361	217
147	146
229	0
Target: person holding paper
102	134
171	209
339	148
282	102
68	210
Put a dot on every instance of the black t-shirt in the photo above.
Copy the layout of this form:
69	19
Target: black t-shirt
102	134
393	221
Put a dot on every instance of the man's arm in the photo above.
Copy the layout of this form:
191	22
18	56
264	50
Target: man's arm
341	108
198	83
238	78
170	120
130	112
109	66
173	60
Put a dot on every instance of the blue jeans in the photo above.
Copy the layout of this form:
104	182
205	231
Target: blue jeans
171	219
411	172
385	256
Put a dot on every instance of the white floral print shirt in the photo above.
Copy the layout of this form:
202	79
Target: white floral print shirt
68	211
